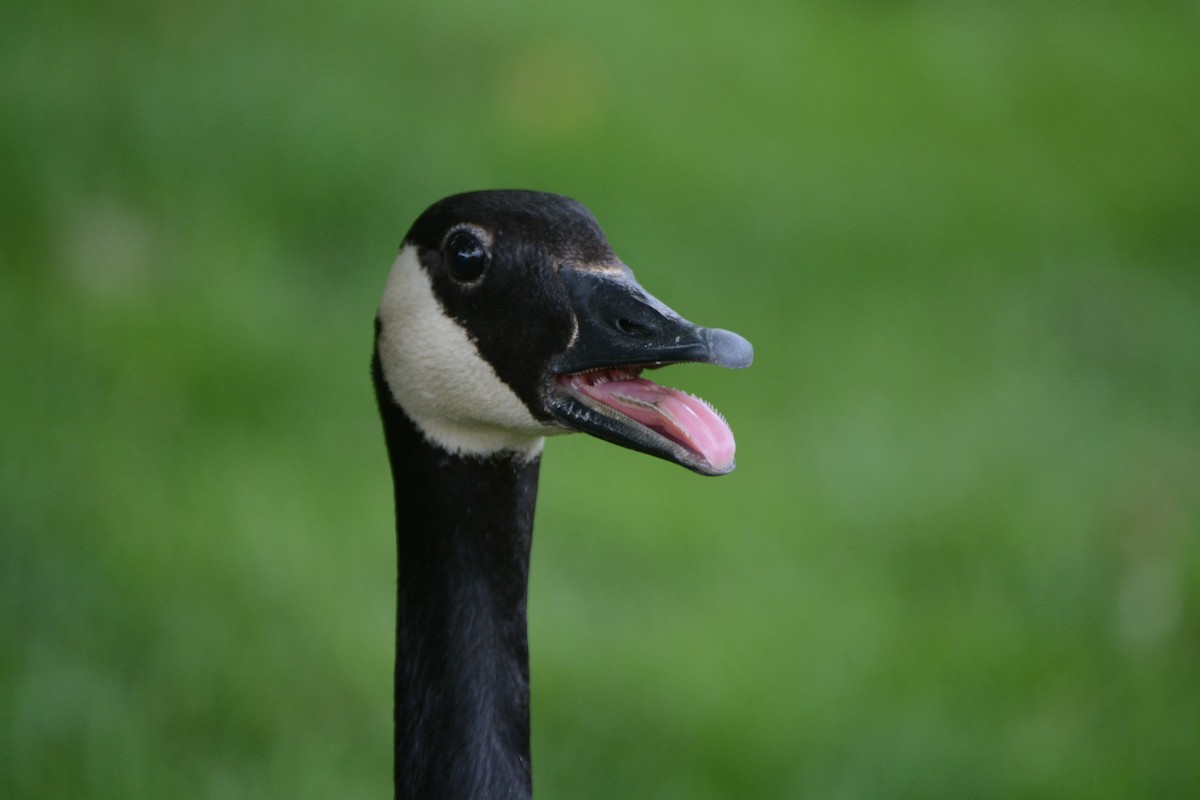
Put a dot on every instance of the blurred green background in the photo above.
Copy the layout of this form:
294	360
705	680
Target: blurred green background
960	556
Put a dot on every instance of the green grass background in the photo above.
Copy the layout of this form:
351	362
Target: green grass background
959	558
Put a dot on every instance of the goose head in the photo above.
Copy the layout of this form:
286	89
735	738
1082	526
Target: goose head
507	317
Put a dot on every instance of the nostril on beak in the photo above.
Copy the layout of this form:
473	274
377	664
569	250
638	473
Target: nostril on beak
631	328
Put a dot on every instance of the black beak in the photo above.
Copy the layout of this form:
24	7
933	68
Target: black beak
621	324
621	330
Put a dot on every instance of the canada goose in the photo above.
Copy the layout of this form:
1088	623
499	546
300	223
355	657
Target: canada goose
506	318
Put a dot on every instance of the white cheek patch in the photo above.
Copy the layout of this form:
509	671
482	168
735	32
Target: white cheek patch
436	374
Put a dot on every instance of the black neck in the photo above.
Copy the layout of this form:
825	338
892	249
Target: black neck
463	532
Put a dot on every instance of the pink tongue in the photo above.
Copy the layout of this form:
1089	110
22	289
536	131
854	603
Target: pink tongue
670	412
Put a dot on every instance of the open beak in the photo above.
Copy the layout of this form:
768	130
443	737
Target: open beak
596	385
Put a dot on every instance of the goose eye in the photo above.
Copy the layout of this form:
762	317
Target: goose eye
466	256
